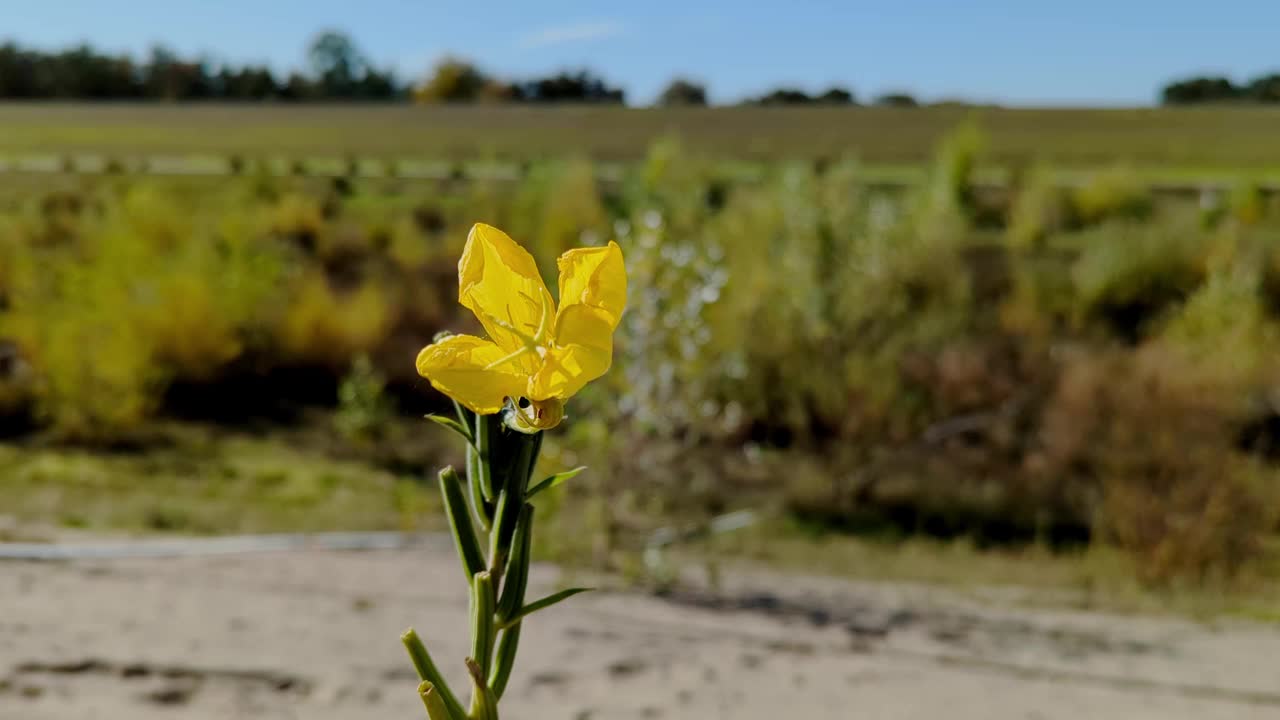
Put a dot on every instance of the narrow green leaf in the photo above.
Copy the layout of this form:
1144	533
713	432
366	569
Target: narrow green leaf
484	460
464	534
504	659
505	517
553	481
543	604
483	509
465	417
451	424
428	671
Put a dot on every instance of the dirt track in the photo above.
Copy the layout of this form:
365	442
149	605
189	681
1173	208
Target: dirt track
315	635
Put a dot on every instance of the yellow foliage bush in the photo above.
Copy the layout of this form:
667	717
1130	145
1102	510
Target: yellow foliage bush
324	327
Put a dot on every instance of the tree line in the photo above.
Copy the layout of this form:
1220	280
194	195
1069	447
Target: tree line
335	69
1264	89
458	81
454	80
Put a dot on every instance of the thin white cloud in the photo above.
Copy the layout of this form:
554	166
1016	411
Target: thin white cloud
570	33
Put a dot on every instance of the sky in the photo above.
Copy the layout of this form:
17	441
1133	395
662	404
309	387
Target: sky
1016	52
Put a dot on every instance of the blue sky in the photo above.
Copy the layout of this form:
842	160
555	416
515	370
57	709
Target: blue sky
1027	52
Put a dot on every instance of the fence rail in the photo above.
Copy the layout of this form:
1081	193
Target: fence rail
988	180
227	545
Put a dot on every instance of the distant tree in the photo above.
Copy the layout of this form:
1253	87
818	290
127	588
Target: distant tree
379	85
17	72
580	86
783	96
1264	89
246	83
168	77
683	92
82	72
340	70
298	87
897	99
794	96
499	91
336	63
1199	90
452	80
835	96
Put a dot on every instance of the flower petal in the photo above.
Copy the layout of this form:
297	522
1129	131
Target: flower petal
595	277
499	282
458	367
582	353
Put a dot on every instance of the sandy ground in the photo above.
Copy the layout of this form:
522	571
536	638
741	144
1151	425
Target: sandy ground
315	635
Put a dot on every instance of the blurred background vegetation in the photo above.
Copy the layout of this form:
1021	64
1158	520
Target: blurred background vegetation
1037	365
1048	336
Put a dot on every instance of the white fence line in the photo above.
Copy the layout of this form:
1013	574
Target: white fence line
226	545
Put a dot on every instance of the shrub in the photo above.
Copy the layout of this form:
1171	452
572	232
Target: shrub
557	209
326	328
1246	204
139	297
1157	431
363	407
75	322
1040	208
1115	193
1128	275
951	183
299	218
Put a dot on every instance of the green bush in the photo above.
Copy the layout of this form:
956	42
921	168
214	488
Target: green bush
1040	209
1127	276
363	406
1116	193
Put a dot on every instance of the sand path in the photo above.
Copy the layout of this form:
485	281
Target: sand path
315	635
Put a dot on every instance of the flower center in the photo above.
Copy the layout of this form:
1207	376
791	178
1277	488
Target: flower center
536	343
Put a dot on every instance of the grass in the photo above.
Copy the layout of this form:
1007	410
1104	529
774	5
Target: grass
207	481
1203	139
1093	578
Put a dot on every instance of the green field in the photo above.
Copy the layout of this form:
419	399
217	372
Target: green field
1191	139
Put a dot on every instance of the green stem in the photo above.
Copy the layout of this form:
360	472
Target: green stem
484	705
500	465
482	620
504	660
510	504
427	671
436	709
464	535
512	600
513	589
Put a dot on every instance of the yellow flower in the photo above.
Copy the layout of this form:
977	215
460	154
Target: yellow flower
534	351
